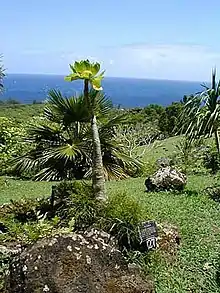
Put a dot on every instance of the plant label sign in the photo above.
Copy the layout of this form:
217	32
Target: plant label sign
148	234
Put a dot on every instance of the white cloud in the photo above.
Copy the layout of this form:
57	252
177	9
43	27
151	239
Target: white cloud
189	62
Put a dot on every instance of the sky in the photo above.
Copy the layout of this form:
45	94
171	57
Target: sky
163	39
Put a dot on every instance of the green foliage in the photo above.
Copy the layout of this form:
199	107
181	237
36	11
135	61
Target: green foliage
23	210
213	192
121	218
153	110
188	155
31	231
70	204
211	159
3	182
63	142
188	270
169	119
201	113
11	142
74	203
20	113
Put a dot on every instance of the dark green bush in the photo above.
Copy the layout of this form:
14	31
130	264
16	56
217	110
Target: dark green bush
213	192
121	218
211	160
24	210
74	203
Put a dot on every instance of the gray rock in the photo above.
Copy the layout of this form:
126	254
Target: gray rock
73	263
166	178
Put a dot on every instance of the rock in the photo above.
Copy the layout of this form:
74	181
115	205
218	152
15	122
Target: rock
166	178
169	239
72	263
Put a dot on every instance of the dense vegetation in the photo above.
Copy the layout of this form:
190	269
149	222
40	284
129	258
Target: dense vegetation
50	153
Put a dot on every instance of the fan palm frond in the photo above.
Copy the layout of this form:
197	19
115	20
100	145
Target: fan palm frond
99	103
202	113
66	110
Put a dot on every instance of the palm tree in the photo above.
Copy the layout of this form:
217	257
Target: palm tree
2	73
63	141
202	112
90	73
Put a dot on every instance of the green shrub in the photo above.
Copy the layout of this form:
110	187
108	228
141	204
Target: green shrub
188	156
29	232
121	218
74	203
213	192
211	160
23	210
11	142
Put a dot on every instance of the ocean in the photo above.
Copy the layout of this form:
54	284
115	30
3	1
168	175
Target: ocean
126	92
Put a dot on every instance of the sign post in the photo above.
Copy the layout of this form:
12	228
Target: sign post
148	234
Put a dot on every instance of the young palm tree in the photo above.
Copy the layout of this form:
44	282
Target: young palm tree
90	73
202	112
63	142
2	73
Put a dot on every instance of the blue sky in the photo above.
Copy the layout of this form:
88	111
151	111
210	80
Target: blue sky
172	39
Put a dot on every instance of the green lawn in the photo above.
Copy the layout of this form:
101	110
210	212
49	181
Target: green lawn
15	189
196	216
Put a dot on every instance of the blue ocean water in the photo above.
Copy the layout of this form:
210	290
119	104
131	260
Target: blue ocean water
126	92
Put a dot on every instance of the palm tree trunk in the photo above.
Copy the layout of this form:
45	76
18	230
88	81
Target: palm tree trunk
217	141
98	180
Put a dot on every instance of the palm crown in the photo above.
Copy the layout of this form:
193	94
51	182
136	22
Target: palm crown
63	141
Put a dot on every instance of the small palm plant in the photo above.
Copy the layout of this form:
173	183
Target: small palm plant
202	112
89	72
61	145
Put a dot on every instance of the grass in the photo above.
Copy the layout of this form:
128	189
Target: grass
195	269
16	189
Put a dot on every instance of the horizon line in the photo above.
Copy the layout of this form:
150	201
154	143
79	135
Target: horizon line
120	77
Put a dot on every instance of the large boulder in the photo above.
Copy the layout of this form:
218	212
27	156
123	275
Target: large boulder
73	263
166	178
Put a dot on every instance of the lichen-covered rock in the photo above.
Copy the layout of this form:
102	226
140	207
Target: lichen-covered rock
169	239
73	263
166	178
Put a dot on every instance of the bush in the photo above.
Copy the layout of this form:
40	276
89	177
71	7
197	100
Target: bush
11	142
23	211
189	155
211	160
29	232
213	192
74	203
121	218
